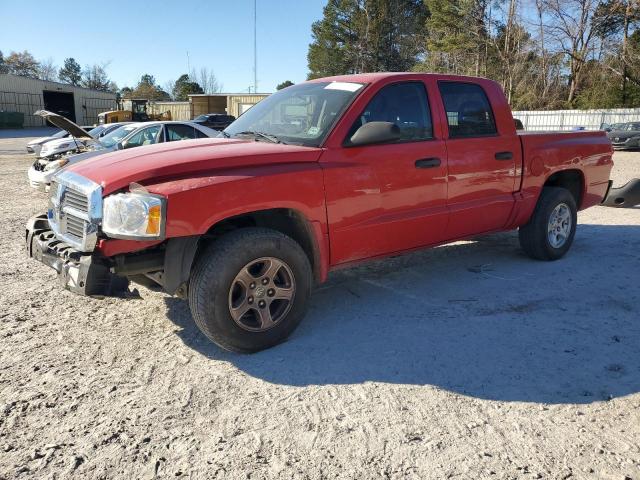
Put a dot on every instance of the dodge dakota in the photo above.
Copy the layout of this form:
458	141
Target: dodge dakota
318	176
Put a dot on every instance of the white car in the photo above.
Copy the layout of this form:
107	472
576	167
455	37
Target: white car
34	146
130	135
52	154
75	139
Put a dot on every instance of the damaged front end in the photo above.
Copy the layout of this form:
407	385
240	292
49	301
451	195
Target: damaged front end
80	272
163	268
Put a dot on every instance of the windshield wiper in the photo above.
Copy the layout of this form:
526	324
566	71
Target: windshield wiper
266	136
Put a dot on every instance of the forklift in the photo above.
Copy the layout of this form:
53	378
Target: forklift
132	110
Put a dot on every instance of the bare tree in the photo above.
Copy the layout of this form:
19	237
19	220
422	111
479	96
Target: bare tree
48	70
95	77
168	87
206	79
571	26
540	9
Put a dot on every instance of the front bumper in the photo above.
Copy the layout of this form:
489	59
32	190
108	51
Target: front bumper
625	144
80	272
40	179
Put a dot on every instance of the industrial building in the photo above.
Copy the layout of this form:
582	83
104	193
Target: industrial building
27	95
230	103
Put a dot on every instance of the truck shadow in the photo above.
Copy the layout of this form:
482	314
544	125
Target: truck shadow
476	318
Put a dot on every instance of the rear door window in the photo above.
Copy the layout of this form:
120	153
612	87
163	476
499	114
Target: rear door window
180	132
200	134
468	110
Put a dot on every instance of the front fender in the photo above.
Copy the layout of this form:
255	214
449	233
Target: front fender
194	205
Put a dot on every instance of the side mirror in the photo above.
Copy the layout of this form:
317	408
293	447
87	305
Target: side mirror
375	132
119	146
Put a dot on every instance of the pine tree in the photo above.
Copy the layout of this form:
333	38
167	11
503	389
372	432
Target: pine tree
71	72
366	36
184	87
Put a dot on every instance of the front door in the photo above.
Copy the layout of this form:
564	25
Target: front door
387	198
482	161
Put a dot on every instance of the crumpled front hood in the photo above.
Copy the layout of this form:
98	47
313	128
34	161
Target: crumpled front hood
154	163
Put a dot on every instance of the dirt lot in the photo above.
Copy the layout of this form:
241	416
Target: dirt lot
466	361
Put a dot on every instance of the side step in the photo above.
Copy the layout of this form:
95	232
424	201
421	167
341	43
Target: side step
627	196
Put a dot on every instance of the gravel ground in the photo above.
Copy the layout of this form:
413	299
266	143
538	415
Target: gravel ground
465	361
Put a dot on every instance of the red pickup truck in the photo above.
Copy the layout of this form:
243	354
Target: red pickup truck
317	176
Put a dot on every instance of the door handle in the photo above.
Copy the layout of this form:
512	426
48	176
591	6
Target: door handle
428	162
504	156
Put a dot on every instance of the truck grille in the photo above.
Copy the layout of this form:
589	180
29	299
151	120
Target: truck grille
75	226
75	200
76	210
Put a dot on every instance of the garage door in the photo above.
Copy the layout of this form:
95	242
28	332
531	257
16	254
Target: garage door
61	103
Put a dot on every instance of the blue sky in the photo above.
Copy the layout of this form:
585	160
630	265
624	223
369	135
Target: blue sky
137	37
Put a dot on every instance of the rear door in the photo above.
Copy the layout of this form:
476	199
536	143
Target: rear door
385	198
482	160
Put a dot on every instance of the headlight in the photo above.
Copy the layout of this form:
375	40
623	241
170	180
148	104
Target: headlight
133	215
56	164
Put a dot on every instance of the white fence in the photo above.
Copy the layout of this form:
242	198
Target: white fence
574	119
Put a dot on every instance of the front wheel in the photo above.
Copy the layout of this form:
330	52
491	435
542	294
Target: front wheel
550	231
250	289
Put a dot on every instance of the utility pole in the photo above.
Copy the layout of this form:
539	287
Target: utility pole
188	66
255	47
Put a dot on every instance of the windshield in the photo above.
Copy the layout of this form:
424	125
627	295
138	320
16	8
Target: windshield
111	138
95	132
200	118
60	134
302	114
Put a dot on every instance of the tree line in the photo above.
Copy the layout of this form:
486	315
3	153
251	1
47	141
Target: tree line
546	54
95	77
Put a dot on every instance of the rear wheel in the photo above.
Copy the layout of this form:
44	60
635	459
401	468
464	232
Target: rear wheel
552	227
250	289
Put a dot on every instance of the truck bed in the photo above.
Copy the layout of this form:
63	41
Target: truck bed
586	153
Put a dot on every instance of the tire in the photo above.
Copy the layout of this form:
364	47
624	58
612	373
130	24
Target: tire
220	280
536	239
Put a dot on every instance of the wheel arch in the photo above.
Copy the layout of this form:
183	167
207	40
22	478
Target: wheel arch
181	252
571	179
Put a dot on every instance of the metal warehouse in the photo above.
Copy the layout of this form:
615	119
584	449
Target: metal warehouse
27	95
230	103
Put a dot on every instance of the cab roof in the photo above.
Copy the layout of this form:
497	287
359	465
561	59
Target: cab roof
374	77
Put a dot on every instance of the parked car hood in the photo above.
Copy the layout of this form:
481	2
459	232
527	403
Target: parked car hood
623	134
63	123
41	140
61	145
145	165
